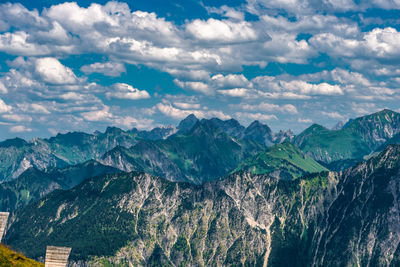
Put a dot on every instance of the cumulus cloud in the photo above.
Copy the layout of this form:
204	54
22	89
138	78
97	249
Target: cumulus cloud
212	59
312	89
183	105
230	81
333	114
33	108
97	115
20	129
221	31
269	107
112	69
4	107
302	120
255	116
126	91
17	117
53	72
200	87
176	113
3	88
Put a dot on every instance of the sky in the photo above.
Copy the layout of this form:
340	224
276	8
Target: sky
86	65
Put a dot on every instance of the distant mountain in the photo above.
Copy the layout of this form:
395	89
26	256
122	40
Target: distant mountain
157	133
260	133
204	153
339	149
394	140
325	219
338	126
33	184
9	258
187	124
283	161
17	155
232	127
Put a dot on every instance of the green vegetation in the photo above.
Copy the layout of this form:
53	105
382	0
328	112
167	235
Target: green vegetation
34	184
339	149
203	154
283	158
9	258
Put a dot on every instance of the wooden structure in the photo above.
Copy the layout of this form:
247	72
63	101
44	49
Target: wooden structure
57	256
3	223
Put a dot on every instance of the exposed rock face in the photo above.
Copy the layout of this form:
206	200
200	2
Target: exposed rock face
221	223
324	219
362	225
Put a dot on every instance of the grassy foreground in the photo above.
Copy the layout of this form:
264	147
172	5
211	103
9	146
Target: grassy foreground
9	258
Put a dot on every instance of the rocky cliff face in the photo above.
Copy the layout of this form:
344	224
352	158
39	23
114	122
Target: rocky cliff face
361	226
325	219
147	220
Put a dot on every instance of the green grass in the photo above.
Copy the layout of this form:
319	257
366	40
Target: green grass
281	157
9	258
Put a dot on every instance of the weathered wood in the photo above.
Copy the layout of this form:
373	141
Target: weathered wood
3	223
57	256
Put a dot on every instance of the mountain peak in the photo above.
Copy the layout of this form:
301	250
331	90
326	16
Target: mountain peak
113	129
386	111
259	132
187	123
16	142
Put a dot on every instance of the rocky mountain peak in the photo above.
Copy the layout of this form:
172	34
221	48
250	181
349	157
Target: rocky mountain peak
187	123
15	142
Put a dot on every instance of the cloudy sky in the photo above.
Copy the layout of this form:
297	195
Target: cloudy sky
81	66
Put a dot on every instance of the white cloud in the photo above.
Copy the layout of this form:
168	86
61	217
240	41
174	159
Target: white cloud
236	92
20	129
286	108
53	72
112	69
126	91
221	31
195	86
301	120
176	113
4	107
333	114
17	117
255	116
230	81
183	105
97	115
72	96
312	89
130	122
3	88
33	108
227	12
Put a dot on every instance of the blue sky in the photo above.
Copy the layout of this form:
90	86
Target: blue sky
85	65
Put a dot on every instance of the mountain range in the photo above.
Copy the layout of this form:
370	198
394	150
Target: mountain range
321	219
209	192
